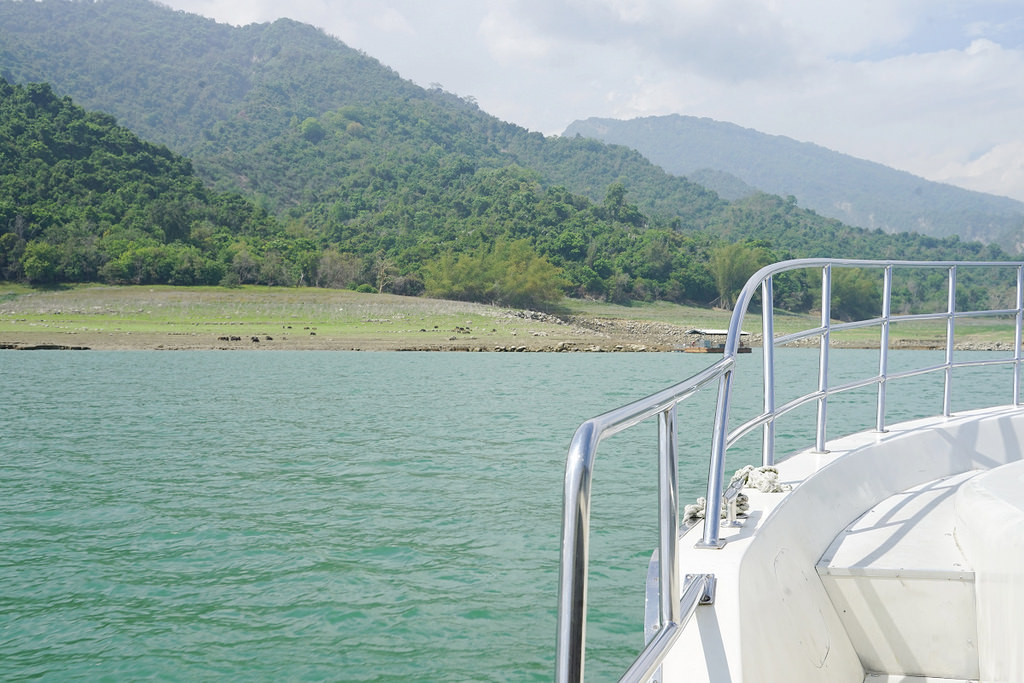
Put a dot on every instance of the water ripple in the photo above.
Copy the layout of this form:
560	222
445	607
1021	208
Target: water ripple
310	516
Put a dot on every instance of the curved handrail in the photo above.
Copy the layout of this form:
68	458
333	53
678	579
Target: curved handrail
572	598
583	449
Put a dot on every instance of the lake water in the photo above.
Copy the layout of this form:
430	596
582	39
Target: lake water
337	516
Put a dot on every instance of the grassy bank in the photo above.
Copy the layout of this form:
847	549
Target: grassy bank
109	317
291	318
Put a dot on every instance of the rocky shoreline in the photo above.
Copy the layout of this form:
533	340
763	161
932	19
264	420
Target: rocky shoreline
538	333
287	319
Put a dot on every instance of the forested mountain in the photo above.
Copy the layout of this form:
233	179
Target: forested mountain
238	100
82	198
855	191
365	179
172	76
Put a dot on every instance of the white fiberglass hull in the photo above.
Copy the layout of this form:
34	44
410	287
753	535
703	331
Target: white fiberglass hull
783	613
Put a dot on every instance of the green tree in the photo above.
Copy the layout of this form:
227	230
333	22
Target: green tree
312	130
509	273
527	279
856	293
732	265
39	262
245	266
12	248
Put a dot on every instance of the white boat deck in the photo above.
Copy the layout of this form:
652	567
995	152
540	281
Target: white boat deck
902	587
909	534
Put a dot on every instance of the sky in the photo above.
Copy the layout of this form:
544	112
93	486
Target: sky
933	87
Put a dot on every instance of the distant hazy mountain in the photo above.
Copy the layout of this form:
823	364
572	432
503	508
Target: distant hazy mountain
733	161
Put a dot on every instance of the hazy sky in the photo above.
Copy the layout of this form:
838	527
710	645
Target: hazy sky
934	87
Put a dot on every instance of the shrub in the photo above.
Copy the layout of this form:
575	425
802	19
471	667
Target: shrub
505	273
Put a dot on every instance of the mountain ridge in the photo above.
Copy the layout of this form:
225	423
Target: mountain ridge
856	191
377	183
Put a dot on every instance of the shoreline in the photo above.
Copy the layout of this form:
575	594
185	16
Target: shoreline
609	343
126	341
160	318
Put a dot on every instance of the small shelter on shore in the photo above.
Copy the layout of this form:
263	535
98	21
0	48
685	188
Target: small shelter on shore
711	341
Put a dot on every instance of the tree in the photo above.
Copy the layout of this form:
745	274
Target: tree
509	273
731	266
312	130
274	270
856	295
337	270
617	209
245	266
527	279
39	262
12	248
384	271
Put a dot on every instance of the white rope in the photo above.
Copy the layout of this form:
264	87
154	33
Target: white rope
765	479
694	511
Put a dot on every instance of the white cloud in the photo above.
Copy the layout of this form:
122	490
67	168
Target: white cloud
509	41
842	29
999	170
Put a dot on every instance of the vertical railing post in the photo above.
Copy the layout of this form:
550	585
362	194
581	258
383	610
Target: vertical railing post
716	470
1017	335
883	347
668	522
826	318
947	392
768	363
572	586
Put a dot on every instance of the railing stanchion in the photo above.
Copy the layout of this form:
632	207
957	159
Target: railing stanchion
716	470
883	347
826	317
947	391
668	523
572	587
1017	335
768	363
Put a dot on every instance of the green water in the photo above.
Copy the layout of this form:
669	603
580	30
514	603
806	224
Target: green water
322	516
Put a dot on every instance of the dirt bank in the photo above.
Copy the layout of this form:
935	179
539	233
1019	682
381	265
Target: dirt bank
532	332
167	318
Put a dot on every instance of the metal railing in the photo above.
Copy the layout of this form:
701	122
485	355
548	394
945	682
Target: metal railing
676	603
